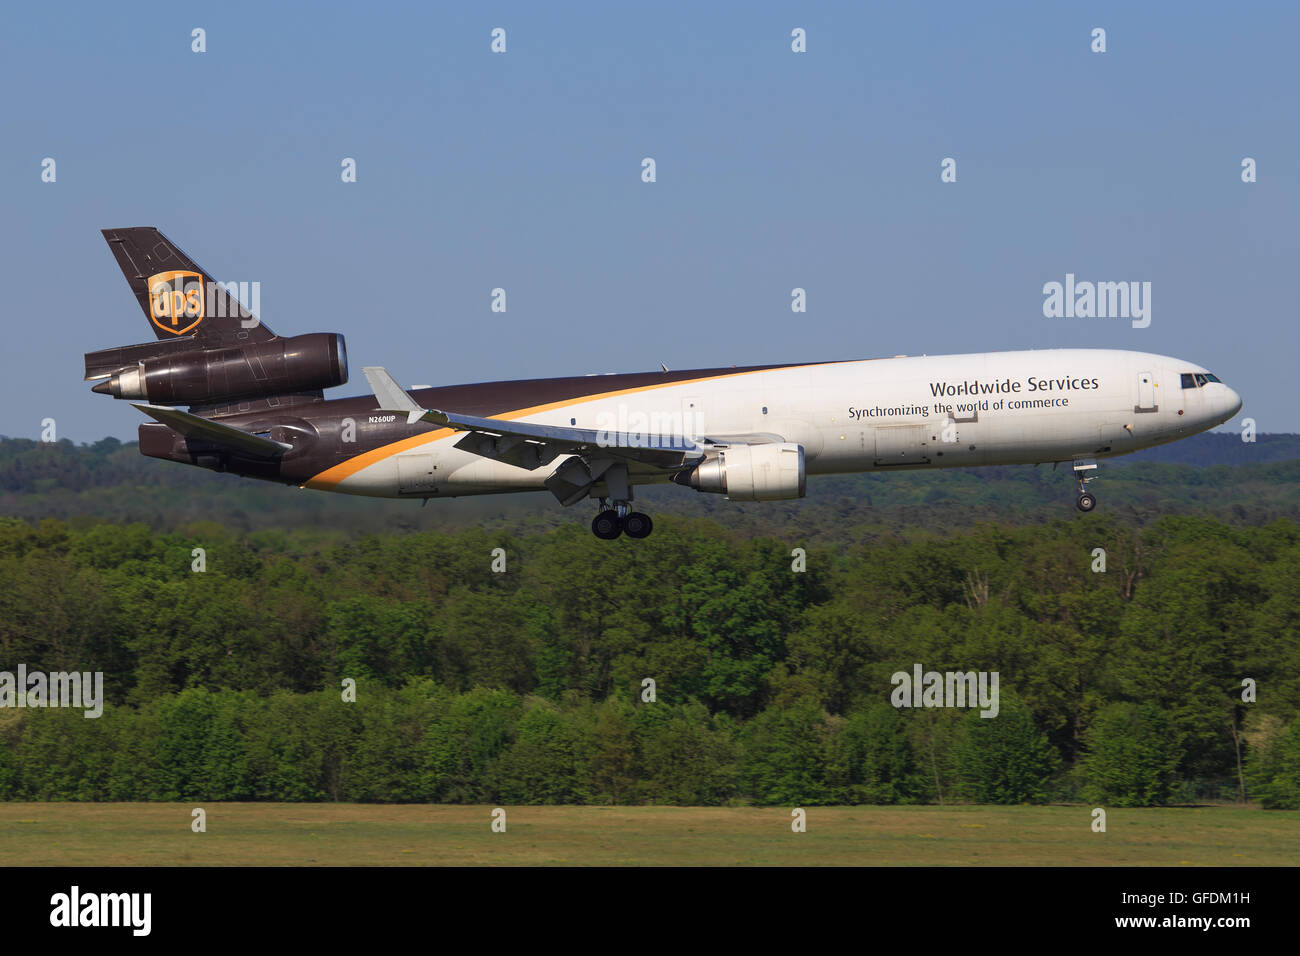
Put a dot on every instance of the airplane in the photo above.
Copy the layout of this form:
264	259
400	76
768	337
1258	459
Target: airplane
256	408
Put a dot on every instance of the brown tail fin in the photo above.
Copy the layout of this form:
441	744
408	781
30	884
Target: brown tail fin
179	297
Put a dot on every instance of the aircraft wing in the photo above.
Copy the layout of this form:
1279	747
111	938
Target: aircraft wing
204	429
587	437
531	445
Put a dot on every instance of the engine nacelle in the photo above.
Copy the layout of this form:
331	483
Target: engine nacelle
298	363
751	472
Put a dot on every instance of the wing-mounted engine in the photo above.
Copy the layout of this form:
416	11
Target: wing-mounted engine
169	373
742	472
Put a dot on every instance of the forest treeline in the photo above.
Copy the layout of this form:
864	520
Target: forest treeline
528	683
1214	475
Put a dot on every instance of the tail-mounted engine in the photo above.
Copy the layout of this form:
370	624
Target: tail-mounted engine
751	472
169	373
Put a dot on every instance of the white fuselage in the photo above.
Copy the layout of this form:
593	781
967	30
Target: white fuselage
939	411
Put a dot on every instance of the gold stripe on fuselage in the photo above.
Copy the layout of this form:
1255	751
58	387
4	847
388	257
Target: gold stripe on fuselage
333	476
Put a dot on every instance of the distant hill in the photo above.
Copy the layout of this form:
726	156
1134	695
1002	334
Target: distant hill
1212	474
1220	448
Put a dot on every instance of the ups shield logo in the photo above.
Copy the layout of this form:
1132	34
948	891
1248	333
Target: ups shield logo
176	301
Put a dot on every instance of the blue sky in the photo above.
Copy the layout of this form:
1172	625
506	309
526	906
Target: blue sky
775	170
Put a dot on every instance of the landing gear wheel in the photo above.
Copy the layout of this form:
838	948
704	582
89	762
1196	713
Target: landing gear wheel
1085	470
606	525
637	525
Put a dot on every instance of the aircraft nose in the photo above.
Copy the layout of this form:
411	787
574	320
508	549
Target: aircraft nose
1231	402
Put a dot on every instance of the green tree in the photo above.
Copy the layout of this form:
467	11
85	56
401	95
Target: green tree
872	759
784	756
1273	770
548	760
1132	755
1006	758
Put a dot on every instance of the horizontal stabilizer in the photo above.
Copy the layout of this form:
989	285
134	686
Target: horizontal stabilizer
203	429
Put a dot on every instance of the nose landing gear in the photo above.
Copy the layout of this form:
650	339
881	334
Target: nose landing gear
1082	470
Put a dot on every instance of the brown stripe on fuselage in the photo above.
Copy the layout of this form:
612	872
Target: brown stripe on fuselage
509	401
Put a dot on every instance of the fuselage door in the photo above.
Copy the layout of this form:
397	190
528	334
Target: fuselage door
417	474
902	444
1146	393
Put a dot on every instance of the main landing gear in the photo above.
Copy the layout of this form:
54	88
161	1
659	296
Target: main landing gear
1083	469
621	519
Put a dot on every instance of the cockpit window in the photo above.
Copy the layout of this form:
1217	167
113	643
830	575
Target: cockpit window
1212	378
1200	380
1189	380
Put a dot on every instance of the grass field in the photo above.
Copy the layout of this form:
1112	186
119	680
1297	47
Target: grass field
154	834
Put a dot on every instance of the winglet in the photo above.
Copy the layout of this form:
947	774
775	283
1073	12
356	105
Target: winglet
392	397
